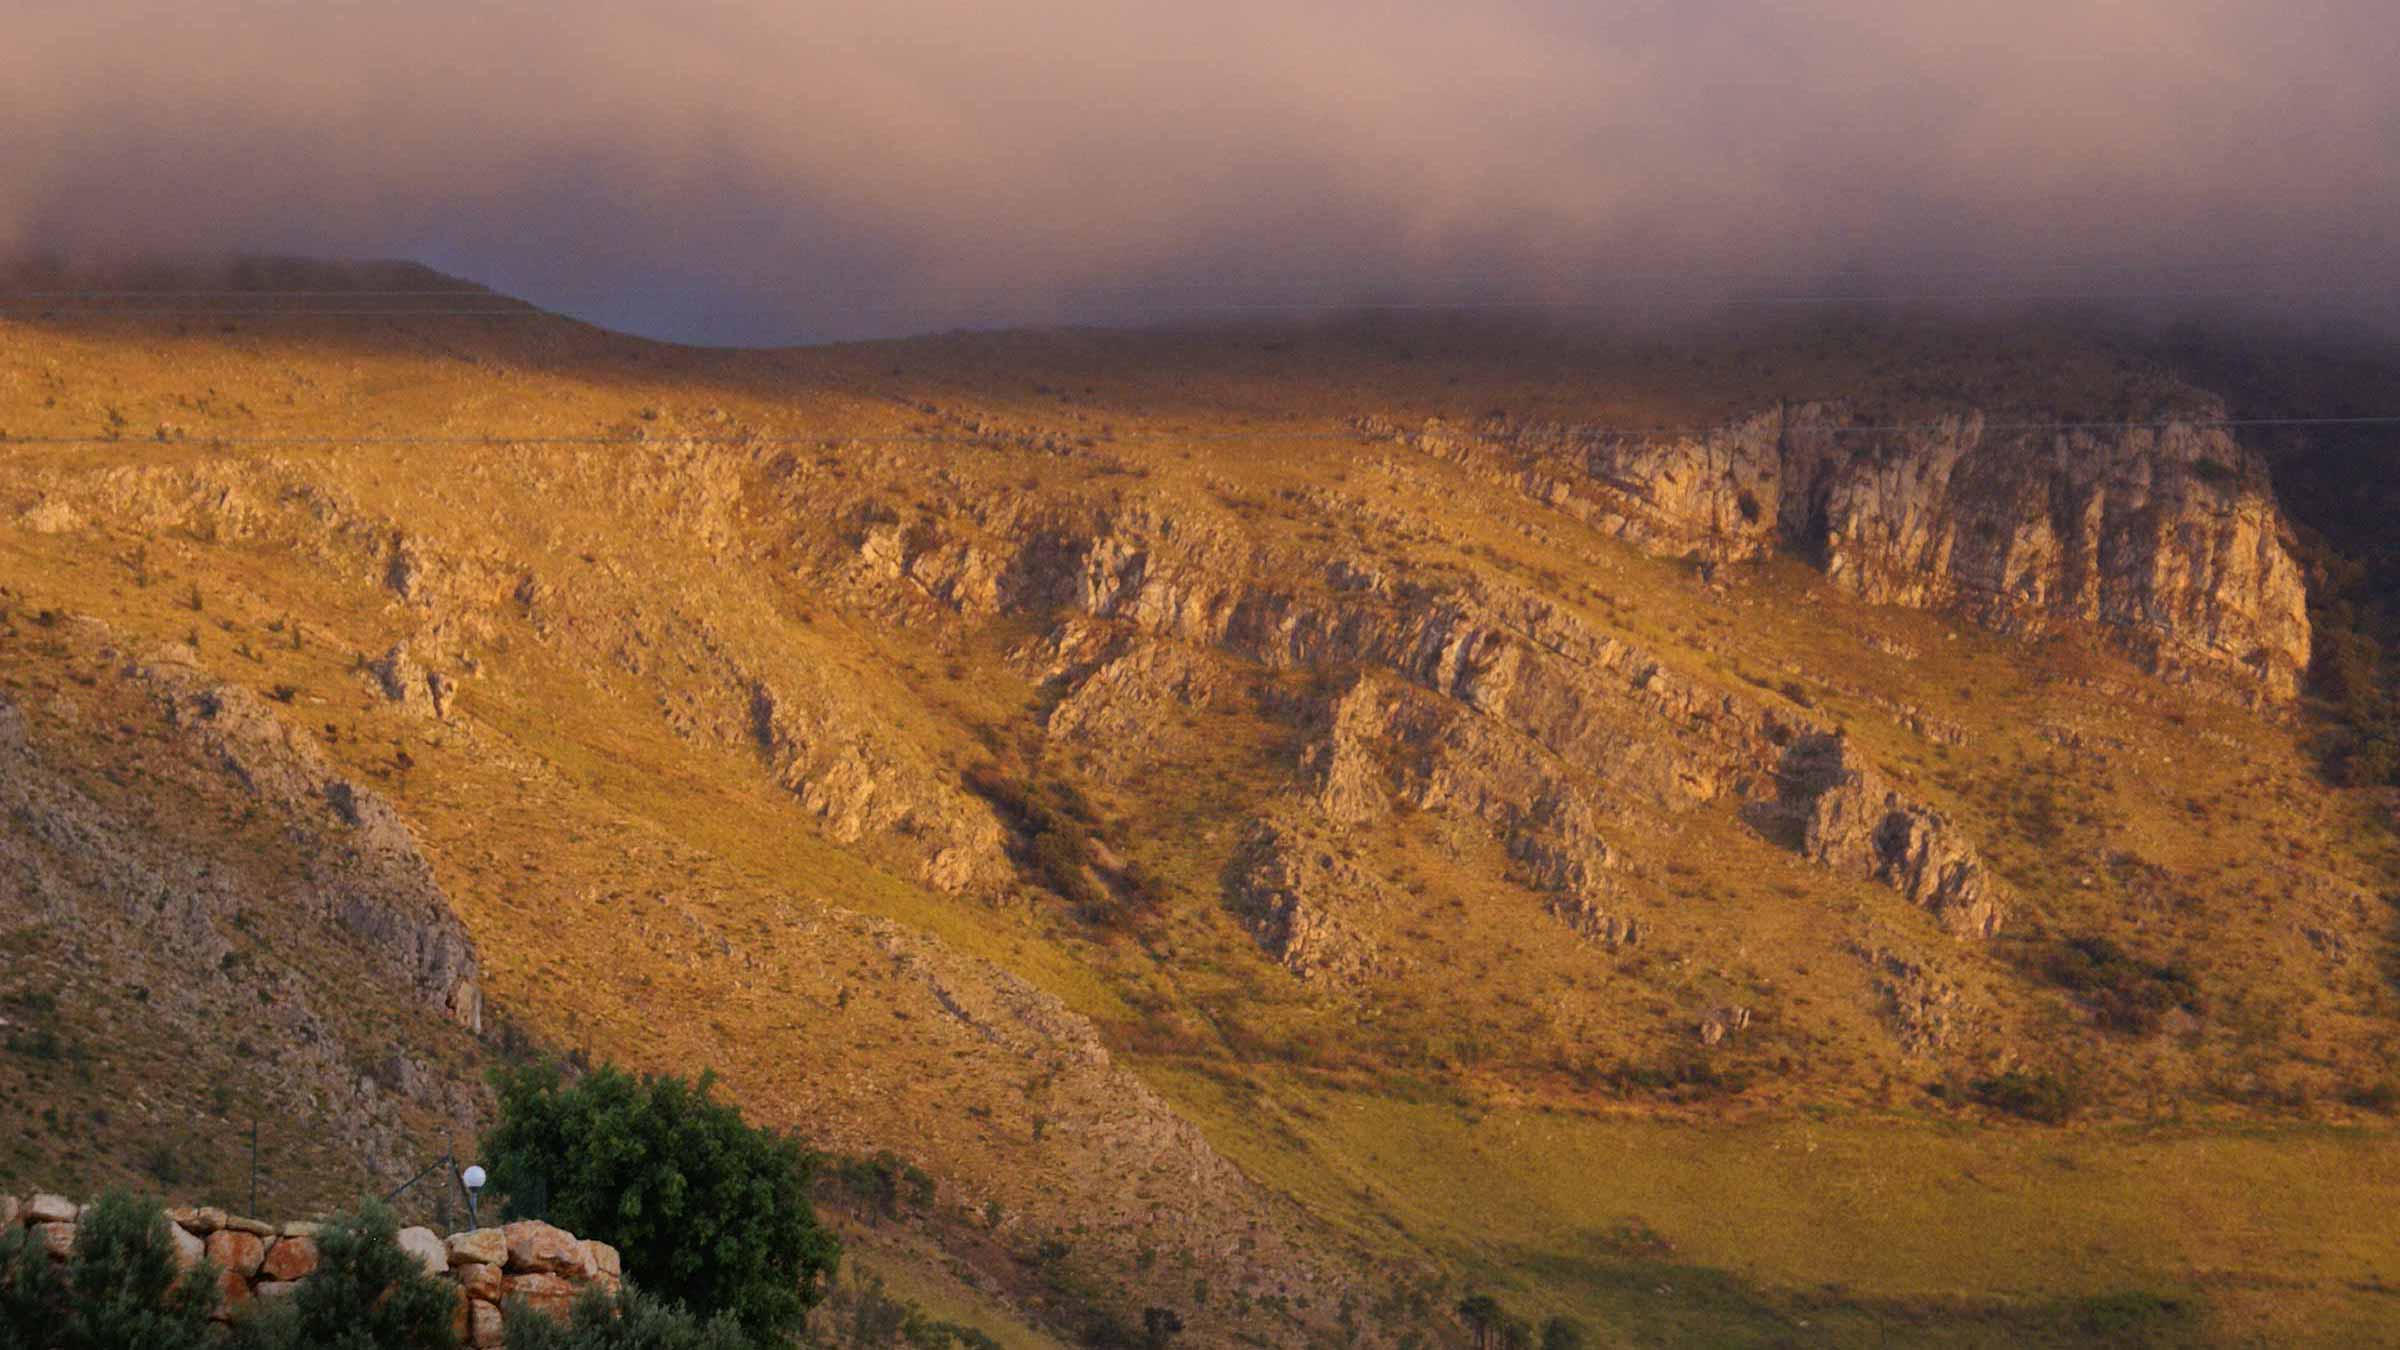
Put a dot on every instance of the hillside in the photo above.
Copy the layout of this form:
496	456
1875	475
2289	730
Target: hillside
1285	824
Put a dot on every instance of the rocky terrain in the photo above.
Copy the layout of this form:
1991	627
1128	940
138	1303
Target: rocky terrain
1160	784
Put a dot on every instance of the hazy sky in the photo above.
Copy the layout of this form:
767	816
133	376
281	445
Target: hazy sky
745	170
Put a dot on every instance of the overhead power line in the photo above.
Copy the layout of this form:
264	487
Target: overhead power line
1481	279
965	438
1173	308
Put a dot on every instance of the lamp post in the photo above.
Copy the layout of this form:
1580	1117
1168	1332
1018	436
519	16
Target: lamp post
472	1179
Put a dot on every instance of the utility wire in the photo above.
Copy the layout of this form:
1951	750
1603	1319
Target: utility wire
1455	279
967	438
1180	308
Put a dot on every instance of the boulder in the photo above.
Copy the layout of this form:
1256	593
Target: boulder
290	1258
481	1281
483	1246
254	1227
400	679
203	1221
59	1238
233	1290
236	1252
483	1325
276	1288
602	1258
47	1208
190	1249
545	1294
306	1228
428	1249
534	1246
9	1208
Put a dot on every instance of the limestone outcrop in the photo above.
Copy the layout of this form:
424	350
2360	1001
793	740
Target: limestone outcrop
1300	899
1472	697
2167	538
1850	820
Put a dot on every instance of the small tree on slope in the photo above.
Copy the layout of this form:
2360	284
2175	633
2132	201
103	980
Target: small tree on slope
706	1210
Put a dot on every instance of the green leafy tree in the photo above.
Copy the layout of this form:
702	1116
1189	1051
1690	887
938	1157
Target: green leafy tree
120	1289
366	1294
707	1211
1563	1333
627	1320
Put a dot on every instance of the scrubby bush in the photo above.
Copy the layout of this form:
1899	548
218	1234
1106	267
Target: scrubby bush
1050	826
2132	1318
119	1290
2036	1095
366	1294
1491	1326
627	1320
2130	995
884	1185
707	1210
865	1314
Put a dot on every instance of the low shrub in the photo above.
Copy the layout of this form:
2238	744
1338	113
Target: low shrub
626	1320
2035	1095
2128	994
366	1294
120	1288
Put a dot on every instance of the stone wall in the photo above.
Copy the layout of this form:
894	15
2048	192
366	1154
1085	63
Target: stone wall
543	1267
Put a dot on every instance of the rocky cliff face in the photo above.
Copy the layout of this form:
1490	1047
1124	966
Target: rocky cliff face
1474	699
2167	538
172	841
1848	818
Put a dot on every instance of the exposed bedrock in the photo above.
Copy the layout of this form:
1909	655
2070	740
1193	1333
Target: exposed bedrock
2168	537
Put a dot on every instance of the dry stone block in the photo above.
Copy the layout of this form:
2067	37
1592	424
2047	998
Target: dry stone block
602	1258
534	1246
290	1258
233	1290
303	1228
428	1249
482	1281
253	1227
203	1220
190	1250
483	1326
276	1288
9	1208
59	1238
484	1246
545	1294
236	1252
47	1208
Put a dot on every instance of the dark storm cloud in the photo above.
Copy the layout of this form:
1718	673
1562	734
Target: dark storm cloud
747	169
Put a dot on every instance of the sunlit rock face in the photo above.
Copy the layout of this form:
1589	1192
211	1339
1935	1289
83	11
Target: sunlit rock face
2168	538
